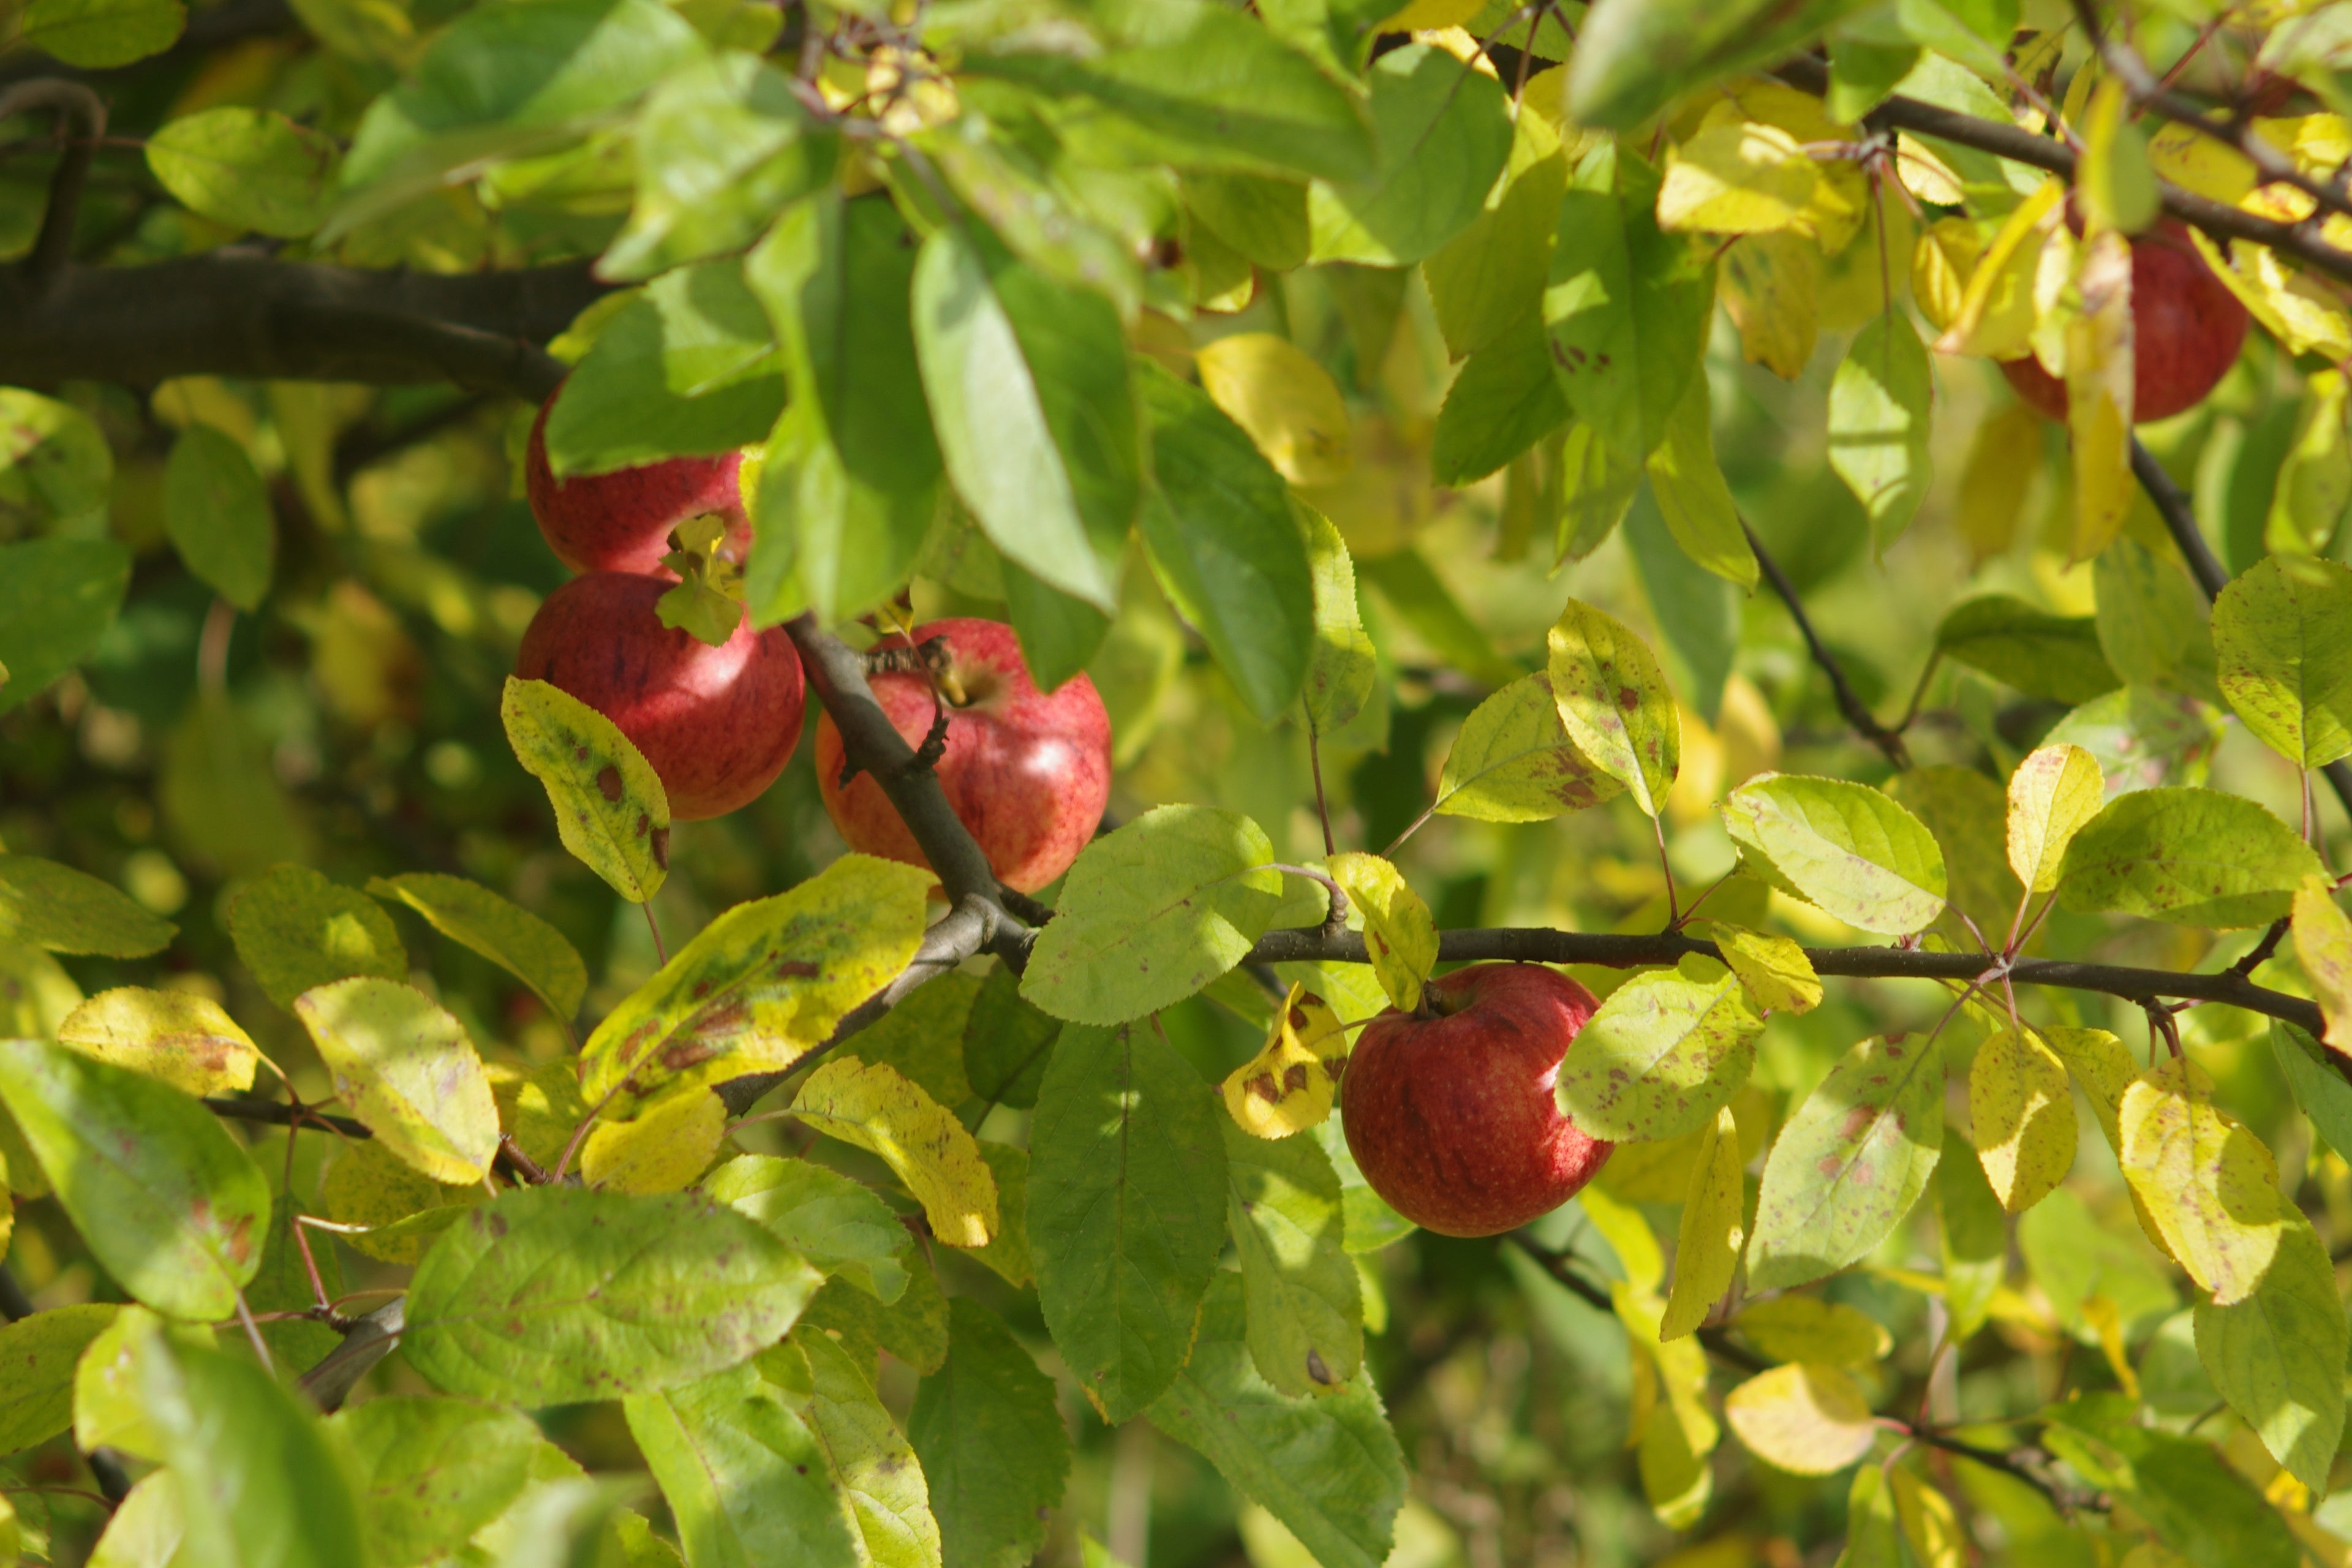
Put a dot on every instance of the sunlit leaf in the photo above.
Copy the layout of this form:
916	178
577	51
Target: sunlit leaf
2194	857
1842	846
1288	1086
2274	1354
1808	1420
1850	1164
1513	761
2207	1181
1708	1239
1663	1054
1613	703
2054	791
406	1067
659	1151
609	804
2021	1109
1288	403
183	1039
2283	638
925	1146
1779	978
1879	407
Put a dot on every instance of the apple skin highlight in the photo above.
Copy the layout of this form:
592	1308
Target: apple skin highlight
1452	1118
716	723
1026	771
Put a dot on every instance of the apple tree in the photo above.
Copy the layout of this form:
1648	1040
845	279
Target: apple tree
1483	784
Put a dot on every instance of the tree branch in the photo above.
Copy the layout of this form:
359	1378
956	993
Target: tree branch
81	123
1857	713
236	312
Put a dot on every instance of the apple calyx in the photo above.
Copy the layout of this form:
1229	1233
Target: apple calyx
708	603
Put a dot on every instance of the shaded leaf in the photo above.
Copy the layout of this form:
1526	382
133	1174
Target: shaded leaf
508	935
2054	791
1879	407
1711	1232
2021	1109
2039	654
744	1477
1306	1307
836	1223
991	1444
1613	703
1513	761
44	904
2283	642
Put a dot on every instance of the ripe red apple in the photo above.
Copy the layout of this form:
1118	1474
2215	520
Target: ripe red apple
621	521
1027	771
716	723
1452	1116
2186	329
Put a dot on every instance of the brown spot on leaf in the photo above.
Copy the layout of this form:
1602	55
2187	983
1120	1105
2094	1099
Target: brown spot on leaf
1294	1077
1316	1370
661	847
796	969
608	782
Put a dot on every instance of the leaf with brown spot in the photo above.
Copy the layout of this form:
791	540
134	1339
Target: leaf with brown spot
610	806
183	1039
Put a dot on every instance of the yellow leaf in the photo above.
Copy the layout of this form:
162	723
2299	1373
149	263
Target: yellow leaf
1771	286
1707	1245
1675	1435
2323	941
1736	177
2196	162
2003	461
2022	1110
2107	1322
1287	1087
1422	15
1628	1236
183	1039
1774	969
1997	314
1793	1328
367	1186
1807	1420
1288	403
2211	1186
1941	265
2276	294
664	1150
2051	795
1400	933
891	1117
2113	181
2099	356
1925	173
406	1067
1927	1520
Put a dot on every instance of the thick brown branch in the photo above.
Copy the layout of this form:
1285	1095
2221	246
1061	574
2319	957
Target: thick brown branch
81	123
239	314
1857	713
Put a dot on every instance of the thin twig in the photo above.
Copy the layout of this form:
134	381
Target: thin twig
1857	714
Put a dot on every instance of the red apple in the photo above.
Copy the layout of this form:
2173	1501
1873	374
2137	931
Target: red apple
716	723
621	521
1451	1116
2186	329
1027	771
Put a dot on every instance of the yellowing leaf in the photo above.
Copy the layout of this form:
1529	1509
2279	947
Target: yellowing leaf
1288	403
1706	1243
1807	1420
1286	1088
1736	177
1941	266
1927	1520
892	1119
610	807
1428	16
2290	309
2209	1184
1513	761
763	985
176	1035
2022	1110
1628	1236
1775	970
404	1065
1794	1328
1614	703
2003	460
2202	163
2114	178
1673	1435
2051	795
1997	314
2099	379
662	1150
1399	930
2323	941
1771	285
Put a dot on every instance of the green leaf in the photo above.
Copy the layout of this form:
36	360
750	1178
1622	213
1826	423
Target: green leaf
745	1478
100	35
432	1471
1399	932
1151	913
1306	1307
2193	857
217	511
1844	847
1028	385
2318	1087
46	905
1691	493
851	483
836	1223
220	795
40	1352
1664	1053
1613	703
1697	612
1974	1239
2203	1180
2182	1488
2021	1112
2039	654
1412	588
1513	762
1879	405
1806	1329
2154	624
914	1328
1490	277
1225	547
404	1065
1708	1238
1059	633
1210	89
760	986
178	1036
248	168
1850	1164
1327	1467
1260	216
1632	56
609	804
2283	641
1126	1210
877	1481
1442	132
295	929
553	1295
258	1479
922	1037
508	935
1872	1540
690	365
1007	1042
2275	1356
2141	737
2073	1256
722	146
56	468
167	1202
992	1443
551	68
1341	665
1505	400
1626	303
57	596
